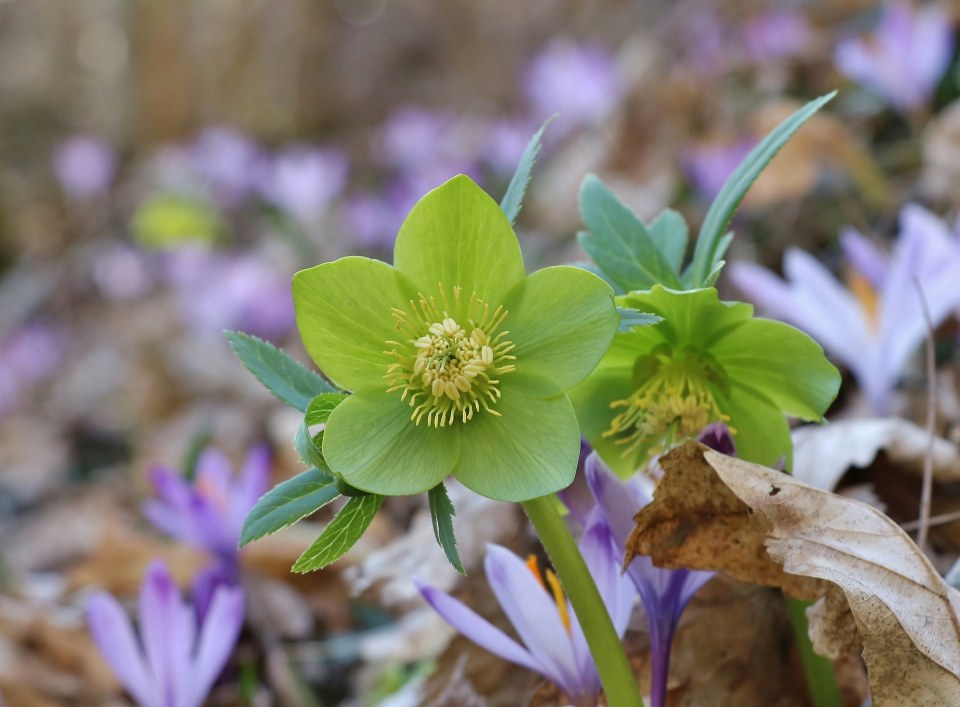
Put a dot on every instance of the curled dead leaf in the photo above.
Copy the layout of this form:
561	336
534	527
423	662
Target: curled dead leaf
908	618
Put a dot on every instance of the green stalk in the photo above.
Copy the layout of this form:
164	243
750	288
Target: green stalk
821	680
616	675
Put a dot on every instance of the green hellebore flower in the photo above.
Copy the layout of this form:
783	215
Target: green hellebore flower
457	360
707	361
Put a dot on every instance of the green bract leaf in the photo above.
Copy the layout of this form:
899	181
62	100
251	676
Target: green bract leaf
670	233
345	319
308	448
632	318
458	236
286	378
456	359
618	241
513	199
287	503
321	406
442	513
707	361
721	211
341	534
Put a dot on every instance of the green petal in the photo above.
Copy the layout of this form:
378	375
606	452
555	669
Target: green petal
530	451
781	363
376	447
458	235
761	434
694	317
562	320
345	319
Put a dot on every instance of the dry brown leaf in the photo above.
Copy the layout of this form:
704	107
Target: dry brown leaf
696	521
907	616
822	454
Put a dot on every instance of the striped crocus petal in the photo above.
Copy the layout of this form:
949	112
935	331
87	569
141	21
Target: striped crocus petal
114	637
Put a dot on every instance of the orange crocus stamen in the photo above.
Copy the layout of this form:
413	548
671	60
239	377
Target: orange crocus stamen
559	598
534	568
866	295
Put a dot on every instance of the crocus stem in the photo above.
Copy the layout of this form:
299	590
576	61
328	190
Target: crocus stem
821	681
616	675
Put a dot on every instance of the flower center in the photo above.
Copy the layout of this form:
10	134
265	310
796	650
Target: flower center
555	589
674	401
449	362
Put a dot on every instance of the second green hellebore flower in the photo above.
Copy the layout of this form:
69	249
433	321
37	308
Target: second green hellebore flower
707	361
457	360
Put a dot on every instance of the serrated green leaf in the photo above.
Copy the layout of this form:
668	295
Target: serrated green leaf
287	503
310	448
442	513
670	232
321	406
714	274
513	199
631	318
340	534
618	242
725	204
283	376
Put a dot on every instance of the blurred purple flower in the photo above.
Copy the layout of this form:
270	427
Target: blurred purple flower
241	291
85	166
874	327
776	34
122	272
176	659
581	82
664	593
228	162
375	220
28	354
709	165
906	56
209	513
304	180
554	644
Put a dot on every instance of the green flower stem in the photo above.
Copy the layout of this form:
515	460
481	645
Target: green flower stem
616	675
821	680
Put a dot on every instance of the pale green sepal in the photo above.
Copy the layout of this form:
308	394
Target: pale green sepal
781	363
457	235
561	320
761	433
375	446
530	451
345	319
321	406
341	534
591	401
694	317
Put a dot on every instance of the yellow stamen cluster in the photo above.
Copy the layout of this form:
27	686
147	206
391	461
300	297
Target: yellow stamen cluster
559	598
449	371
675	402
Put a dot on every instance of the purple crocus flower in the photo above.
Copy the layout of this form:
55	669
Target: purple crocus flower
874	327
776	34
228	162
239	290
209	512
665	593
581	82
85	166
28	354
304	180
176	659
553	642
904	59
